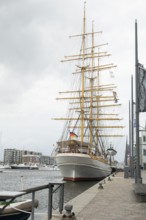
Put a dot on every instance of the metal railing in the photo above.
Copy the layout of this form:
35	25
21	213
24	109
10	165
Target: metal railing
51	190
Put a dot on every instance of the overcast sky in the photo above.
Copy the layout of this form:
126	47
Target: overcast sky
33	40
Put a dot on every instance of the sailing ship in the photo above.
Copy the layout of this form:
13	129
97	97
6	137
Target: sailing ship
81	152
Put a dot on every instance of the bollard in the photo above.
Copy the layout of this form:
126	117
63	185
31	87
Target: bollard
100	186
109	179
68	209
68	214
104	181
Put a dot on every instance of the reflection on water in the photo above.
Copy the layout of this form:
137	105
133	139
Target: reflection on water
73	189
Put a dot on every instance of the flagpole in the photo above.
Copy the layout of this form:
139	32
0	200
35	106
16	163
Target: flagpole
138	178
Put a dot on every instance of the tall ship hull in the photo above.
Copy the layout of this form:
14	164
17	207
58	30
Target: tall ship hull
78	167
85	150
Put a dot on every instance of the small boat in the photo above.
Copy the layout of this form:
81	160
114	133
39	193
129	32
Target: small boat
5	166
49	168
33	167
1	167
25	166
20	166
15	210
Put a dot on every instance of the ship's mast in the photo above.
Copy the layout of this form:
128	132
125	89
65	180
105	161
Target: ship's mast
98	109
83	75
85	117
91	87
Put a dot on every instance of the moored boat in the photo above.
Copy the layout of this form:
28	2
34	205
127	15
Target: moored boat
33	167
5	166
92	122
48	168
15	210
20	166
25	166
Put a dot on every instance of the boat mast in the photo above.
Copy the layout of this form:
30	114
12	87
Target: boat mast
88	100
91	87
83	74
98	110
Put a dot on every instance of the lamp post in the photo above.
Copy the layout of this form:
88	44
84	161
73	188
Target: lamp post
138	178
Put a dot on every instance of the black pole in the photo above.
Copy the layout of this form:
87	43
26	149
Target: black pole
132	130
138	178
61	201
33	201
129	128
130	149
50	199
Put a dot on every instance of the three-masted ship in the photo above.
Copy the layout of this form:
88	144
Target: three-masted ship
81	152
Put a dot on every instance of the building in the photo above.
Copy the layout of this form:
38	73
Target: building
48	160
12	156
31	159
15	156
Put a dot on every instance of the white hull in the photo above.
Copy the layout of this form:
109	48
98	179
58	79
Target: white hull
5	167
18	210
25	205
20	166
77	166
24	167
33	167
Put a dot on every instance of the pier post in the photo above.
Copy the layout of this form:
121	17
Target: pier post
50	201
33	201
61	199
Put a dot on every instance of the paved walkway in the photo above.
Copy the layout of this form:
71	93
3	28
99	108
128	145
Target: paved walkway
116	201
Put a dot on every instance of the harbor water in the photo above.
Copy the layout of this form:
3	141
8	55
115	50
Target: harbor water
16	180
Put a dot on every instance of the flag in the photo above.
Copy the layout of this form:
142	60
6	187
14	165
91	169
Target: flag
142	88
73	135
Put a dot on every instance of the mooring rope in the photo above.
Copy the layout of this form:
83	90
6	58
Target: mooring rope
20	210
